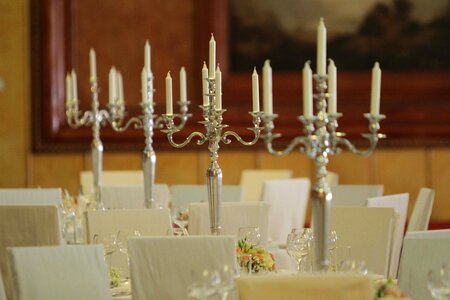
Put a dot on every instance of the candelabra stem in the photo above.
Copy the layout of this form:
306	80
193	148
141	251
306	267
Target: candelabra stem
214	183
149	158
96	148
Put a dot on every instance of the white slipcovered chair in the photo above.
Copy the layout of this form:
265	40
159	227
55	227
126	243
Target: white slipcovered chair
234	216
26	226
125	223
163	267
422	251
354	194
420	216
31	196
2	289
64	272
132	196
288	199
111	178
369	231
184	194
252	181
305	287
398	202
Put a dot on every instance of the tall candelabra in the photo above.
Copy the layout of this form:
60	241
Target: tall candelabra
212	121
95	118
321	138
147	121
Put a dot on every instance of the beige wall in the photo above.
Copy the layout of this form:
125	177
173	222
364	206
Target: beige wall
400	170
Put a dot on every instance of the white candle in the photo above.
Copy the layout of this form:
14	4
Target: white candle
147	58
205	85
255	90
74	87
112	86
92	65
376	87
212	57
169	110
332	88
218	89
267	88
183	93
321	48
307	91
121	98
68	90
144	85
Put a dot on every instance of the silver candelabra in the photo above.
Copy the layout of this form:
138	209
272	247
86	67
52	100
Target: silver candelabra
212	121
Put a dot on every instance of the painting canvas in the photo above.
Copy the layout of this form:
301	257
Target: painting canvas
400	34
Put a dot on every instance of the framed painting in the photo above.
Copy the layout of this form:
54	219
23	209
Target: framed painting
409	38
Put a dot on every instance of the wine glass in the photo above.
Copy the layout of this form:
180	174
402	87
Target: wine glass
250	234
227	275
298	246
438	283
109	243
205	285
180	215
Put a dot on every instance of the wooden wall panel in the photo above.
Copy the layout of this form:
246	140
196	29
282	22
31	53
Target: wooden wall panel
174	167
440	181
352	169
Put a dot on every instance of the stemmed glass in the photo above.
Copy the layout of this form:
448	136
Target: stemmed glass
205	285
122	246
180	216
298	246
227	275
109	245
250	234
439	283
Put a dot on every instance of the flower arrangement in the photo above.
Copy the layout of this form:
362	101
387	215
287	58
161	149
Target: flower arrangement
388	290
254	258
114	277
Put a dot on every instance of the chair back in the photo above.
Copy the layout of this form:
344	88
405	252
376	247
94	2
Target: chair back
105	226
26	226
421	214
288	199
35	197
305	287
398	202
422	251
184	194
163	267
234	216
114	178
355	195
2	289
369	231
332	178
132	196
64	272
252	181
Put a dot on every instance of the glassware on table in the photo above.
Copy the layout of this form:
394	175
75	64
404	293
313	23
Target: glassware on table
227	286
438	283
179	232
205	285
180	216
109	243
250	234
298	246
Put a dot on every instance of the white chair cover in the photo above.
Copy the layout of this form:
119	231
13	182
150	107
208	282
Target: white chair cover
332	178
148	222
252	181
369	232
304	287
26	226
398	202
354	194
420	216
184	194
422	251
26	196
2	289
114	178
119	197
65	272
288	199
163	267
234	216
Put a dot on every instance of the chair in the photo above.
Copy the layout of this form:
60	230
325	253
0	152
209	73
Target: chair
65	272
111	178
2	289
369	231
125	223
400	203
332	178
120	197
252	181
184	194
288	199
27	196
26	226
354	195
305	287
234	216
420	216
163	267
422	251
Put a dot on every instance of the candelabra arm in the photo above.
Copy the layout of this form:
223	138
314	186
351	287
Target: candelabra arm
74	120
294	143
256	130
134	121
200	141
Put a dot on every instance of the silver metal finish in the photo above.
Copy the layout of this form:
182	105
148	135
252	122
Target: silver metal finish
320	140
212	120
